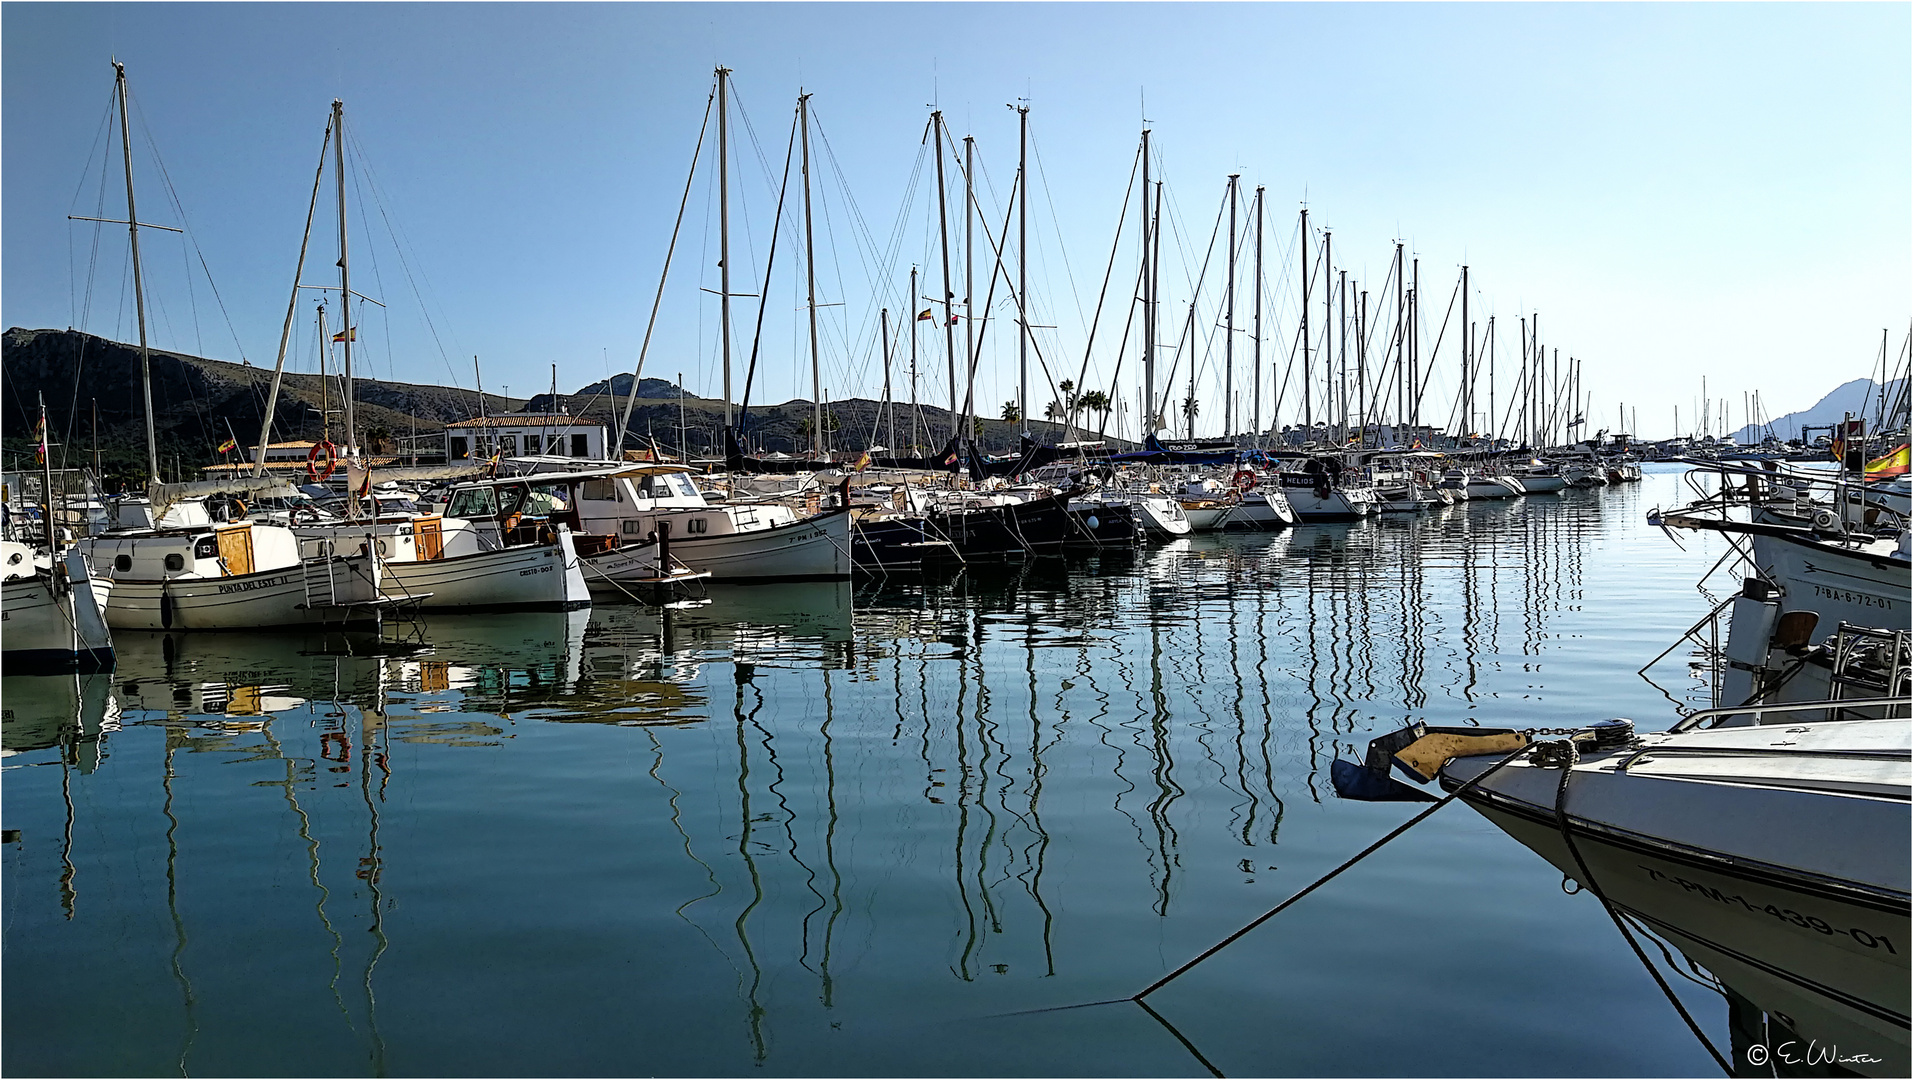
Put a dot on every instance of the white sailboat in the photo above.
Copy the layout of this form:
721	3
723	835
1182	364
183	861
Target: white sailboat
54	614
203	576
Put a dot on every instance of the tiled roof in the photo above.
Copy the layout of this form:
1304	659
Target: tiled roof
525	420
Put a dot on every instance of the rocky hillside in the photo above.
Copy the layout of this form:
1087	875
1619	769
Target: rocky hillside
198	401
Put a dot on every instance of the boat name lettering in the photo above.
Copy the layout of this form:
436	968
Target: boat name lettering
1850	597
1805	922
534	570
249	586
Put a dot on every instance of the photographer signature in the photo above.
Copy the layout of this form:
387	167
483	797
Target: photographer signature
1792	1052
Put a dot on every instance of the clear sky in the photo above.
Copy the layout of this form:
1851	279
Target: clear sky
1682	191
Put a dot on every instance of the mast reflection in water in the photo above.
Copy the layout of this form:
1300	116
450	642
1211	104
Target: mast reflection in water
809	831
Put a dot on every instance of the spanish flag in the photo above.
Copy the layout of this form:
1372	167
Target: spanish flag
1891	463
925	316
39	442
351	334
227	446
862	463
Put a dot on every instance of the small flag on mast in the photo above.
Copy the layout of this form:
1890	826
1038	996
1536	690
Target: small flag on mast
350	334
925	316
39	442
228	446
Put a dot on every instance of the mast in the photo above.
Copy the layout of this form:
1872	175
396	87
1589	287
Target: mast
1361	371
1023	267
916	410
949	296
1228	326
1255	407
1308	411
1467	343
1342	359
969	282
1328	330
1414	347
889	406
1148	303
723	233
139	292
810	272
345	284
1401	342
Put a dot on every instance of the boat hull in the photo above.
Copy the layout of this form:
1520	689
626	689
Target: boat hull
55	623
269	600
531	577
816	548
1841	585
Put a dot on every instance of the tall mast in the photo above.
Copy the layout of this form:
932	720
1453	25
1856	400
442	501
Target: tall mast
139	292
1414	348
889	406
969	281
1148	303
948	315
723	232
1342	357
1155	287
347	327
1401	341
1328	328
1492	430
1308	411
1023	266
810	271
915	409
1228	326
1467	344
1255	407
1361	371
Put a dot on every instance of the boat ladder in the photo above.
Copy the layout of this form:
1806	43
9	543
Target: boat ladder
317	576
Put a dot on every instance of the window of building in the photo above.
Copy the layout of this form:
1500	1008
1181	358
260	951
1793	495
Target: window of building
508	445
579	448
459	444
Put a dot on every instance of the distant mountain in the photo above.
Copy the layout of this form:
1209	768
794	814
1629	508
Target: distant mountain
621	386
1861	398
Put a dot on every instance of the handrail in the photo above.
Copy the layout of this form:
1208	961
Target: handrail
1693	720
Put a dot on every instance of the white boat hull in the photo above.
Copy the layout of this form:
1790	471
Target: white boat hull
1541	485
531	577
1841	585
811	549
56	623
1263	510
274	599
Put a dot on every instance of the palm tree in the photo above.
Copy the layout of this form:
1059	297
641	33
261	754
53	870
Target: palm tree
1190	406
1012	414
1053	411
1095	401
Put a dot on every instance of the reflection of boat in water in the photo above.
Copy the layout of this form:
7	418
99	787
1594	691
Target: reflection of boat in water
1774	853
539	651
41	711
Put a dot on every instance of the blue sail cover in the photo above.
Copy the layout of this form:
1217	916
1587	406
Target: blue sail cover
1182	452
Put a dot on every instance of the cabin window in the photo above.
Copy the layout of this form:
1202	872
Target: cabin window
681	485
206	547
175	561
697	525
473	503
459	445
540	502
579	447
123	563
599	491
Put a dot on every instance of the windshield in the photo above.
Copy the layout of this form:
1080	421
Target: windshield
472	503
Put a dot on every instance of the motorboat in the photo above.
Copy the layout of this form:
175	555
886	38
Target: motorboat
1768	844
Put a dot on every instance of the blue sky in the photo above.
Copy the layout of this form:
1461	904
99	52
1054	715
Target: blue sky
1683	191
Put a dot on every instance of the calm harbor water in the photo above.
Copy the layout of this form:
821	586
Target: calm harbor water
817	831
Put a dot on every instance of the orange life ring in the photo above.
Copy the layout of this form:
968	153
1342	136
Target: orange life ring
1244	480
313	472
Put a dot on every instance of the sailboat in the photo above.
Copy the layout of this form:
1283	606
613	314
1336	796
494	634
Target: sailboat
186	572
440	562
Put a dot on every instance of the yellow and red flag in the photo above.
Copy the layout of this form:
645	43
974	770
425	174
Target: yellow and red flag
1891	463
228	446
351	334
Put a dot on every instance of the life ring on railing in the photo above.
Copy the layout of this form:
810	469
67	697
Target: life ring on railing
1244	480
313	472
